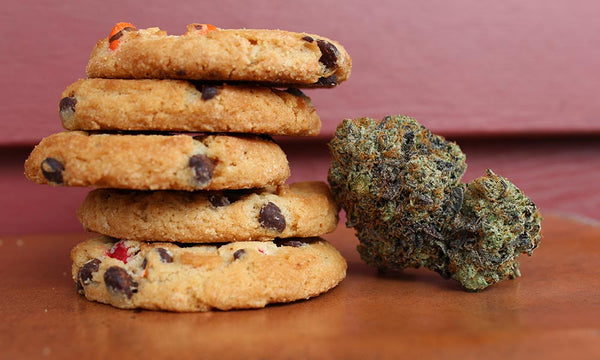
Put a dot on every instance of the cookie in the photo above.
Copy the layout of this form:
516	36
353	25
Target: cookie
152	162
209	53
167	276
298	210
179	105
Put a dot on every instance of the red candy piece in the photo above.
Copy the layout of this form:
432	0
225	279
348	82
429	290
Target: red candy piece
118	251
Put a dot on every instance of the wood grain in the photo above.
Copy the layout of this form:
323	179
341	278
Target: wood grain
551	312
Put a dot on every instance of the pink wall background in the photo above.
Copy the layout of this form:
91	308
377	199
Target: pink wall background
461	67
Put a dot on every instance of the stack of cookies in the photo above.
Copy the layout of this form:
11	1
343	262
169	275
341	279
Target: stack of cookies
192	206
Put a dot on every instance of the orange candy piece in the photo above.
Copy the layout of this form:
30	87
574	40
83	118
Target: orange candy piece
119	28
117	32
201	29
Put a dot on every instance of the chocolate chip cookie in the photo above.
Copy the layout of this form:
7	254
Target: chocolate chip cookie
298	210
205	52
179	105
153	162
168	276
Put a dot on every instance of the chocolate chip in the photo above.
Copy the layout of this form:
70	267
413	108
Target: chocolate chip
270	217
118	281
165	257
144	263
67	104
329	54
120	33
180	73
218	199
87	270
238	254
86	273
327	81
52	170
203	169
209	92
308	38
288	242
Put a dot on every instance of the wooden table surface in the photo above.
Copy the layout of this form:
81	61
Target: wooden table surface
551	312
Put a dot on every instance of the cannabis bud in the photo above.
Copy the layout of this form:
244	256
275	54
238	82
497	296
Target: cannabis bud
400	187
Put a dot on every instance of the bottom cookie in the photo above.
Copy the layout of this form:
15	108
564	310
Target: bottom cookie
240	275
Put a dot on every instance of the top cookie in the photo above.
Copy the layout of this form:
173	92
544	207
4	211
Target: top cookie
208	53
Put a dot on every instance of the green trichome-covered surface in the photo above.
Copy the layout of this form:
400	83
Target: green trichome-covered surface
400	187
